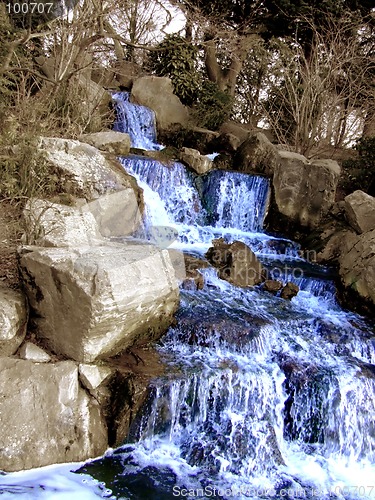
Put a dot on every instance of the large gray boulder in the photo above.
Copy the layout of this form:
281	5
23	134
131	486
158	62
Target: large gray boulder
157	93
117	143
116	214
13	320
360	211
257	155
45	416
304	190
93	302
82	170
357	266
53	224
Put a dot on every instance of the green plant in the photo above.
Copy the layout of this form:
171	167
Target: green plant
213	106
177	58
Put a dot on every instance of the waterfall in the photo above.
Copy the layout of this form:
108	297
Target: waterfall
138	121
235	200
261	398
265	398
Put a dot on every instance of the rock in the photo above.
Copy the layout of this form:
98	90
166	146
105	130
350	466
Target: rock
193	282
289	291
357	266
272	286
225	143
116	214
304	191
257	155
193	159
13	320
45	416
337	245
157	93
84	171
52	225
94	302
209	324
117	143
223	162
32	352
236	262
93	376
236	130
94	101
121	74
360	211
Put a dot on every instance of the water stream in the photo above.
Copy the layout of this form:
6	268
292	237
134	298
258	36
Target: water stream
262	398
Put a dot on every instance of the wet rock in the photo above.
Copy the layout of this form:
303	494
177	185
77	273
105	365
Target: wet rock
272	286
13	320
55	420
360	211
117	143
157	93
257	155
193	159
304	191
32	352
289	291
194	279
93	302
194	282
236	263
129	389
209	323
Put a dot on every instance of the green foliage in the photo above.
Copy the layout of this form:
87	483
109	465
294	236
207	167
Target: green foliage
177	59
360	173
213	107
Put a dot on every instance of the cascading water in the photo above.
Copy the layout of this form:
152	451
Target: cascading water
264	398
137	121
261	398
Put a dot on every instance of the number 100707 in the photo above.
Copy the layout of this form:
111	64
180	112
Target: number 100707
29	8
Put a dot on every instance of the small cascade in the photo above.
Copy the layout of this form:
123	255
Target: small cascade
235	200
137	121
173	185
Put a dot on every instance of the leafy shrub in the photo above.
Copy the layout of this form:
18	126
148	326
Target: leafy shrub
176	58
213	107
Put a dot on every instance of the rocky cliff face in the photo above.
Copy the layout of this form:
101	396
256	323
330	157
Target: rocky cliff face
91	299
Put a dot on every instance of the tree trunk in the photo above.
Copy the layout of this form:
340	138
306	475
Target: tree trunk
226	78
